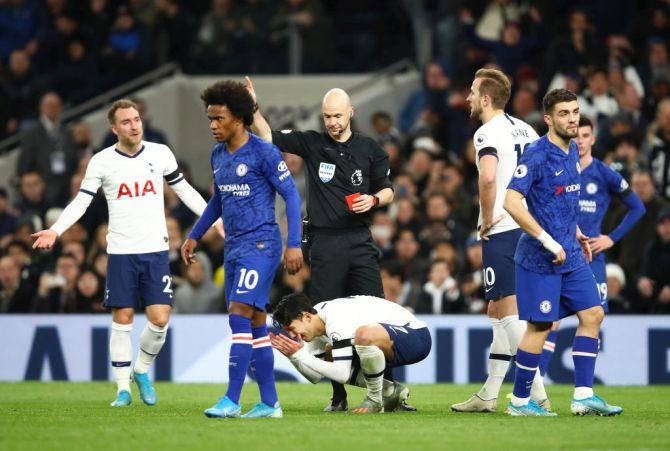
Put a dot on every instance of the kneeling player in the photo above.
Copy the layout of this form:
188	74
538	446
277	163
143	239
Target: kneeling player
367	334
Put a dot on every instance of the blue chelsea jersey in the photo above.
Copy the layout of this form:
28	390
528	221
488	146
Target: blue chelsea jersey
549	179
599	183
247	182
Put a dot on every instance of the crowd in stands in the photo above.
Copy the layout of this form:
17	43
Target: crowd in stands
616	59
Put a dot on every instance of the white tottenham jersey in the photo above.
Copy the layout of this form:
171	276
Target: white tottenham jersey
133	187
343	316
505	137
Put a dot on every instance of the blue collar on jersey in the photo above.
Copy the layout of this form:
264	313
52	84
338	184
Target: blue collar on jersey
123	154
557	150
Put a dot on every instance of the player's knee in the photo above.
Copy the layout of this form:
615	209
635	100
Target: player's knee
160	320
594	317
364	336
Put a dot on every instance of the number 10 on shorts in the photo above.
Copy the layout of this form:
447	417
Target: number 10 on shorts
248	281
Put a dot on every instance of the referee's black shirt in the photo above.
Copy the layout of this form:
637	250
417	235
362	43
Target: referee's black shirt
335	170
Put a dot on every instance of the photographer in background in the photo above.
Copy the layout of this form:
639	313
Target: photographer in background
57	291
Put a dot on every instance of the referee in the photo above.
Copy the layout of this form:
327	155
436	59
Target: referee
348	177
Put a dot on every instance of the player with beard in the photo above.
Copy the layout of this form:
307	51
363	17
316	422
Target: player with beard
348	177
553	277
499	143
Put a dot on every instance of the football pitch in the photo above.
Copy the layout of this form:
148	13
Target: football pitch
76	416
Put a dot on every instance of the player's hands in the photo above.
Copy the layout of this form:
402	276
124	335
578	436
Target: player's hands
45	239
600	243
486	226
188	251
293	260
218	225
584	243
285	345
250	88
560	257
363	203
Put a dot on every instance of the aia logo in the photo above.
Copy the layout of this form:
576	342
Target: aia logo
566	188
127	190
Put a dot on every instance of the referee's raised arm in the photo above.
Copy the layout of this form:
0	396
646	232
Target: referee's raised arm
260	126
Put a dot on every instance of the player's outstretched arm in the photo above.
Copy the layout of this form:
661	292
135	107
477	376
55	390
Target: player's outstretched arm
260	126
518	211
45	239
194	201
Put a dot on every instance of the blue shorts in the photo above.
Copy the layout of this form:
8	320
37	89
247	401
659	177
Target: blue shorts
248	280
550	297
498	256
598	268
138	280
409	345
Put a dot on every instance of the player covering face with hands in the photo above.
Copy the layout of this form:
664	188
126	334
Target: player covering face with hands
364	335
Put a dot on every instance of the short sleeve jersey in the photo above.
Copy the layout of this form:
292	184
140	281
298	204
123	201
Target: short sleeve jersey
504	137
247	182
549	179
599	183
335	170
133	188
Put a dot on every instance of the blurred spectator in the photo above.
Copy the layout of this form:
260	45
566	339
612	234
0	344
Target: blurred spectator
8	218
625	156
383	230
76	76
81	134
573	51
406	215
57	291
420	162
436	78
657	147
151	133
407	256
20	24
126	54
48	149
616	284
441	293
311	21
384	129
15	293
198	293
596	102
525	107
174	240
396	286
654	282
627	251
23	88
630	104
90	293
473	281
253	36
215	40
32	205
173	29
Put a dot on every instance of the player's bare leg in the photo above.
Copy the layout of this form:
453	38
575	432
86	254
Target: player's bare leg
152	339
374	347
120	353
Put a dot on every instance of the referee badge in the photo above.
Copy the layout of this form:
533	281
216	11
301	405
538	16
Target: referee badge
326	172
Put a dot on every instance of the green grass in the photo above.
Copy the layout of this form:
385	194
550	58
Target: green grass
77	416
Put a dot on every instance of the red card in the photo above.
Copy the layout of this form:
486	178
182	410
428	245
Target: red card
351	198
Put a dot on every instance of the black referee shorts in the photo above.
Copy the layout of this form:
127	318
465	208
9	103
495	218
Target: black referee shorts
343	263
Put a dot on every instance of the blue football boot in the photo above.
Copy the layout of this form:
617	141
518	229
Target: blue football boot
225	408
262	410
147	392
594	405
532	409
123	399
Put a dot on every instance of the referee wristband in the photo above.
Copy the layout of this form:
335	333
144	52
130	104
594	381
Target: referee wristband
549	243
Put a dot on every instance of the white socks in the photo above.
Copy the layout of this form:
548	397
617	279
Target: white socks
537	391
151	342
514	329
373	364
583	392
120	352
499	358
